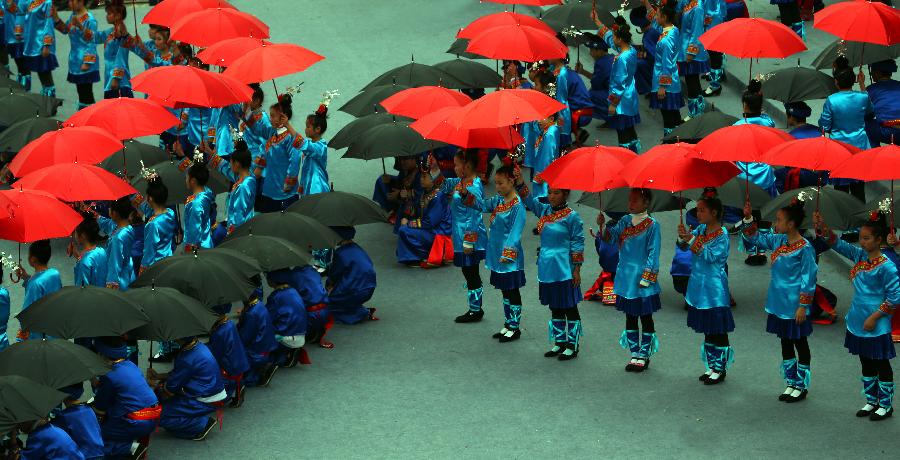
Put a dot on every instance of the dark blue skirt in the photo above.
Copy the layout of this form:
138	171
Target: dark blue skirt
15	50
710	320
881	347
640	306
694	67
84	79
559	295
788	328
673	101
620	122
461	259
41	64
508	281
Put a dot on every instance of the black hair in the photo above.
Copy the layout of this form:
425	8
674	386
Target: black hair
194	61
241	155
714	205
844	78
646	194
199	173
40	250
258	93
284	105
186	50
669	10
877	224
468	157
545	78
117	7
158	192
319	119
90	230
122	207
795	213
507	171
622	31
753	97
840	62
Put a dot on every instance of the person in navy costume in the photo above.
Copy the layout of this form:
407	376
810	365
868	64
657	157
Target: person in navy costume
226	346
599	78
46	441
80	422
792	178
884	92
415	237
307	281
351	280
289	320
190	392
126	406
258	337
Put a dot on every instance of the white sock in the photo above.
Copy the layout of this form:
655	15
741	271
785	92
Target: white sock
715	375
568	352
868	407
556	348
796	393
788	390
708	372
633	360
503	330
509	333
881	411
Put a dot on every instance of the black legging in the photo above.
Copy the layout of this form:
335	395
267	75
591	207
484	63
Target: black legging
46	78
4	56
473	277
880	368
647	326
570	314
715	60
512	296
692	86
85	93
626	135
801	345
671	118
22	66
790	13
719	340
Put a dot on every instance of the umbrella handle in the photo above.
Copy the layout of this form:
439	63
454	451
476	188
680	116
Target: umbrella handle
151	354
134	15
892	205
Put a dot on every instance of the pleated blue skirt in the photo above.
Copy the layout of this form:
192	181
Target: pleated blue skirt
84	78
694	67
41	64
673	101
710	321
788	328
640	306
559	295
881	347
620	122
461	259
508	281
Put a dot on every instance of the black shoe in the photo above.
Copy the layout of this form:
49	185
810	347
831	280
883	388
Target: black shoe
711	381
630	366
865	413
641	365
582	136
567	357
550	353
292	358
140	452
850	237
267	375
161	357
238	399
499	334
875	417
787	394
209	426
706	77
755	260
470	317
509	338
798	398
712	92
703	377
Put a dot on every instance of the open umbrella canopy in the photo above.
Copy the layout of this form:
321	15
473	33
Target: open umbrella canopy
82	311
575	14
182	86
837	208
271	252
817	153
18	107
339	209
24	400
389	140
125	118
753	38
349	133
700	126
509	107
518	42
444	126
471	74
172	314
616	200
127	162
415	74
857	53
173	176
209	26
303	231
734	193
862	21
368	101
590	169
675	167
85	144
505	18
168	12
880	163
798	84
225	52
15	137
212	276
35	215
73	182
459	49
271	61
55	363
526	2
418	102
746	142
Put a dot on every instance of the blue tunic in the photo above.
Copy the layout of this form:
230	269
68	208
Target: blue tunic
885	97
120	392
49	441
197	220
760	174
195	374
14	22
562	240
255	141
715	12
91	268
562	95
600	85
665	62
844	117
414	240
287	311
547	149
692	19
120	267
224	119
4	318
307	282
875	286
115	59
608	254
314	175
41	285
621	81
39	31
352	277
242	196
708	284
81	31
280	159
200	126
468	225
794	269
80	423
257	334
504	248
639	246
158	234
226	346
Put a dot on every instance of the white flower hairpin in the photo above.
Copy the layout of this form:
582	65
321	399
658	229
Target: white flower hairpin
148	174
551	90
8	261
236	135
806	195
571	32
329	96
296	89
885	205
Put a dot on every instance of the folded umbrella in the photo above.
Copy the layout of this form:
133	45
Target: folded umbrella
127	162
168	12
415	74
303	231
368	101
24	400
184	86
505	18
212	276
16	136
174	176
857	53
616	200
125	118
55	363
225	52
589	169
172	314
389	140
471	74
349	133
518	42
35	215
700	126
271	61
798	84
444	126
73	182
418	102
82	311
85	144
339	209
209	26
837	208
271	252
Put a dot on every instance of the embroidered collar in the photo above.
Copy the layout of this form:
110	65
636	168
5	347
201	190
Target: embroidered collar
504	207
639	217
664	33
553	217
785	249
635	230
867	265
702	239
464	184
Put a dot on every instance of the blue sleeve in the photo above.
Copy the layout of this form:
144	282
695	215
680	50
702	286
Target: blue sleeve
576	240
765	240
261	128
891	291
617	79
825	118
808	271
247	328
101	36
114	255
193	220
472	225
612	233
654	242
854	253
243	205
513	239
180	375
293	169
531	203
716	250
150	238
104	394
668	57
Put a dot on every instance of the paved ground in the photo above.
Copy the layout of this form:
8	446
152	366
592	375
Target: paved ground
415	385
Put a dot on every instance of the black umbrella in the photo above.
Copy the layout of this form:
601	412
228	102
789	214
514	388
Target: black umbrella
577	14
700	126
352	130
857	53
389	140
127	162
616	5
271	252
174	177
798	84
837	208
24	400
303	231
875	204
415	74
22	106
173	315
9	86
470	73
82	311
339	209
368	101
459	49
56	363
212	276
18	135
616	200
734	193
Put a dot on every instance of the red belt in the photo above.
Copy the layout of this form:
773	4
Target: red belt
891	123
316	307
233	378
150	413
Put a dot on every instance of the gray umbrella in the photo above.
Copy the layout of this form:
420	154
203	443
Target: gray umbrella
352	130
616	200
415	74
18	135
389	140
128	160
577	14
368	101
798	84
470	73
700	126
459	49
857	53
339	209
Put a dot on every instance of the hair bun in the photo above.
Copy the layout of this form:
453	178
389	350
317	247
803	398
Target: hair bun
322	110
754	87
285	99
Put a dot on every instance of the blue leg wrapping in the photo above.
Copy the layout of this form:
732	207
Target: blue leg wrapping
789	372
634	146
506	312
574	333
803	374
886	395
649	345
556	330
25	81
870	389
706	354
475	299
722	357
667	131
49	91
83	106
800	29
630	340
715	78
515	316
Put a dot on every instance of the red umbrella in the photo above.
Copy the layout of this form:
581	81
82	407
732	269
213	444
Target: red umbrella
880	163
168	12
418	102
745	142
817	154
505	18
517	42
444	125
184	86
675	167
589	169
34	216
861	21
76	182
206	27
753	38
125	118
225	52
508	107
269	62
526	2
86	144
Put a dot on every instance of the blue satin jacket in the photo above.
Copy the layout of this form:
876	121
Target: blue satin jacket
197	209
760	174
115	59
468	225
120	265
39	31
639	245
313	172
621	80
844	116
280	159
226	346
875	287
242	196
665	62
91	268
41	284
692	26
81	31
158	234
562	239
708	284
195	373
504	248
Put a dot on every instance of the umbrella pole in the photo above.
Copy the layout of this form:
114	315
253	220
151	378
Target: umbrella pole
124	162
680	208
151	355
892	205
134	15
276	88
383	167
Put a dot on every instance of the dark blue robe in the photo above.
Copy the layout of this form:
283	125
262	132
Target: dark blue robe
643	77
352	276
121	392
258	338
50	442
195	375
80	423
600	86
308	283
415	239
226	346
